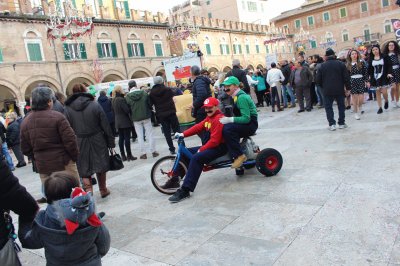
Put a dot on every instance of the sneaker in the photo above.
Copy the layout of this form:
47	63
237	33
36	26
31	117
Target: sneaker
343	126
239	161
308	110
356	116
42	200
155	154
179	195
300	111
143	157
172	152
19	165
332	128
380	111
386	105
171	183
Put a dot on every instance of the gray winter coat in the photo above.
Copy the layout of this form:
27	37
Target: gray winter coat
84	247
93	132
121	112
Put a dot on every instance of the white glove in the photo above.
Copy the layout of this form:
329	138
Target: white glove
226	120
178	135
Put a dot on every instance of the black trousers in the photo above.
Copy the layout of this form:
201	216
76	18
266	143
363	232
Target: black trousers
260	97
168	123
124	135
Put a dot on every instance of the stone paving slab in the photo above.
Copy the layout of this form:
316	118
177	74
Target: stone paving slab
336	201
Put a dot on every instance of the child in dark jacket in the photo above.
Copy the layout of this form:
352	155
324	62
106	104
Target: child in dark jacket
69	230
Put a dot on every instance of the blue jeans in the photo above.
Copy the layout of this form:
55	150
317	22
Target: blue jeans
197	163
328	100
320	96
4	151
287	88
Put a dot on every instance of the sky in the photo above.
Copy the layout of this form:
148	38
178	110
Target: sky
278	6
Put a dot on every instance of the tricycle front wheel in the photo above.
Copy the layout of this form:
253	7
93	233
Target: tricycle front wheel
164	178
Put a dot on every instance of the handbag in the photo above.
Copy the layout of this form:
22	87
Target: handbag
115	161
8	254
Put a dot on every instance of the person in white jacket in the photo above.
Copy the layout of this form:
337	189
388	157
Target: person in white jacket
274	79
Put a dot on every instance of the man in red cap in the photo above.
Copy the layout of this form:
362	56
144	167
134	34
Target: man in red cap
213	147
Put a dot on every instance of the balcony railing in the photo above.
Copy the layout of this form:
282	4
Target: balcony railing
368	38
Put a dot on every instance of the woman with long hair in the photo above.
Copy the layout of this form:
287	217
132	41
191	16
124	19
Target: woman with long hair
358	80
392	50
380	73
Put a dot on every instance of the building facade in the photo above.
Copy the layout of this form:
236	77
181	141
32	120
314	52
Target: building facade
249	11
339	24
121	49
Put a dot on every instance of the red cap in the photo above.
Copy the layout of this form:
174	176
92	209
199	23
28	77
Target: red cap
210	102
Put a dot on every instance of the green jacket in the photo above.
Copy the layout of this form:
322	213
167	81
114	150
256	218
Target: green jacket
139	103
246	106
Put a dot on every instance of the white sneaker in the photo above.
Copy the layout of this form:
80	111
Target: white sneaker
356	116
343	126
332	128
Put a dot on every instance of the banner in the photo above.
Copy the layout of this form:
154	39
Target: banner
271	58
396	28
178	68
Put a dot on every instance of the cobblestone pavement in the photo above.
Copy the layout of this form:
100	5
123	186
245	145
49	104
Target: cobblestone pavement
335	201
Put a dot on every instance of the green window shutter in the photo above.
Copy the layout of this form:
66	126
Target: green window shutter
1	55
99	50
127	10
82	48
34	52
247	49
74	3
257	49
227	49
114	50
221	49
234	49
240	49
67	55
158	49
267	49
130	52
141	47
100	2
208	48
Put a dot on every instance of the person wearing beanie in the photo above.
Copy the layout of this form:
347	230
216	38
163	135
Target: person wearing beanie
161	98
333	77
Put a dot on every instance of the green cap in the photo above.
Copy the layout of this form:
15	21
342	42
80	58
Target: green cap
231	81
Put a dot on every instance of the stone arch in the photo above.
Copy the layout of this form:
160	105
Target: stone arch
213	69
250	67
36	32
36	80
259	66
159	72
8	92
157	36
133	36
140	72
226	69
112	75
103	35
77	78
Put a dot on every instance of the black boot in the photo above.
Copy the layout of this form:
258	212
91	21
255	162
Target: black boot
123	156
131	157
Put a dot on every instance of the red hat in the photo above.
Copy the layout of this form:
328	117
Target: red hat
210	102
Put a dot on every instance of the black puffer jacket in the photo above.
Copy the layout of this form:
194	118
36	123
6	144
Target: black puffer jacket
161	98
93	132
333	77
201	91
241	76
2	134
105	103
13	133
286	73
14	197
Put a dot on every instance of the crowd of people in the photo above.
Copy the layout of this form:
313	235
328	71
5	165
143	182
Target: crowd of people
68	141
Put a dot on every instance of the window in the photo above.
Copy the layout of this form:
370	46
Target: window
385	3
127	10
343	12
267	49
107	50
310	20
247	49
252	6
329	37
243	5
257	49
364	7
135	49
262	7
224	48
345	36
34	51
388	26
209	15
313	44
1	55
208	48
326	16
367	35
283	49
286	27
297	23
208	2
100	2
158	49
73	51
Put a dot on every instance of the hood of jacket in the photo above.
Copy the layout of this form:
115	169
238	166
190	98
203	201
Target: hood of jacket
102	98
79	101
202	79
159	91
135	95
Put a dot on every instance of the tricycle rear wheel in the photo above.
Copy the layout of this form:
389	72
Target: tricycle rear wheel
269	162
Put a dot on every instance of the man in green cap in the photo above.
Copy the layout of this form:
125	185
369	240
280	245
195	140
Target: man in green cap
243	124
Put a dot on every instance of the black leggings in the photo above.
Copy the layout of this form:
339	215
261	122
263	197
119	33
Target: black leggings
260	97
124	137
